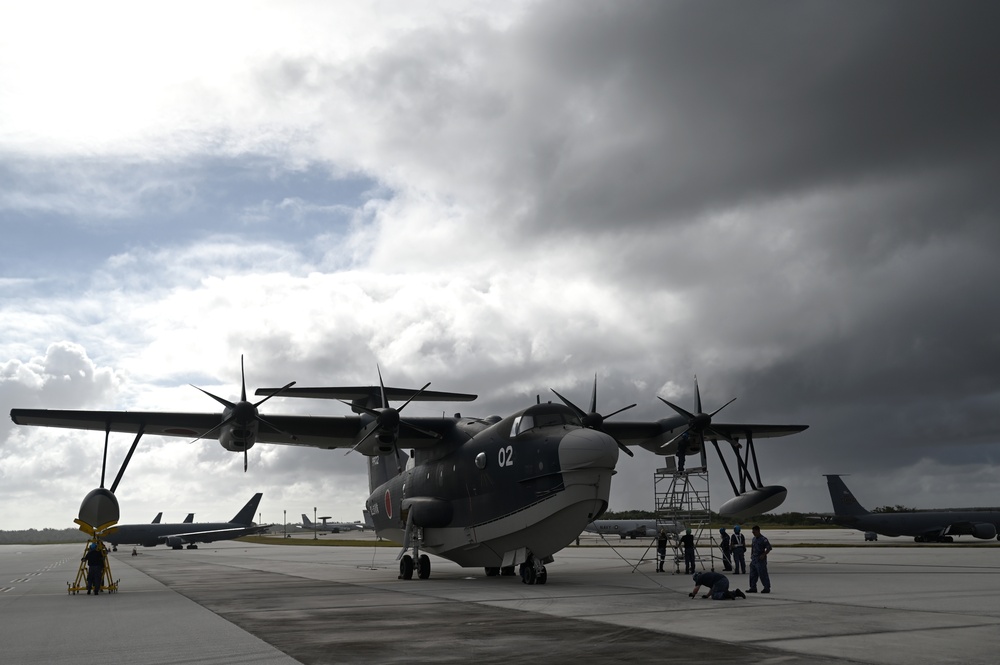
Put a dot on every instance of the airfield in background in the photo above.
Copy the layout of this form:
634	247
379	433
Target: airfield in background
846	601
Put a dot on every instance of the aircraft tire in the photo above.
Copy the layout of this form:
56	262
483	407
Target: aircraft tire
528	575
492	571
424	567
406	568
543	576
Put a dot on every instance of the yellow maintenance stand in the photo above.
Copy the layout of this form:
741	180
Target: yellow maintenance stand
108	584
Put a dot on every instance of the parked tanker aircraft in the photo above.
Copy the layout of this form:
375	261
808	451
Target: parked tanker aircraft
495	492
188	532
927	526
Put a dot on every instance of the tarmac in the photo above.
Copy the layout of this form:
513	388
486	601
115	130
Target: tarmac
835	599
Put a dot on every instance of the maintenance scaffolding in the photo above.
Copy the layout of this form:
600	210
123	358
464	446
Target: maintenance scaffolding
683	502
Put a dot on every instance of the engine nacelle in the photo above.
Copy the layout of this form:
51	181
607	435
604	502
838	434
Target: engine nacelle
984	531
175	542
237	440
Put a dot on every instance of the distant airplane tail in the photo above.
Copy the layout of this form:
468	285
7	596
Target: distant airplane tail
306	522
844	503
156	520
246	515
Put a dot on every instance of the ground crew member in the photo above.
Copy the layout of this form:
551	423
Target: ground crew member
687	540
760	546
661	549
738	545
724	545
718	585
95	568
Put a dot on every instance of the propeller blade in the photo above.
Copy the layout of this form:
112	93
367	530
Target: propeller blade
580	412
219	426
684	433
697	396
676	408
277	429
274	394
615	413
721	407
415	395
224	402
624	448
245	462
430	433
593	397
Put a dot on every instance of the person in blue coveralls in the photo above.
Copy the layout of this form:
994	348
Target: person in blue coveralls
718	585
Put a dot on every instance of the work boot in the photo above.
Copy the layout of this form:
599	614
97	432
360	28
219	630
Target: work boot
766	591
751	590
739	594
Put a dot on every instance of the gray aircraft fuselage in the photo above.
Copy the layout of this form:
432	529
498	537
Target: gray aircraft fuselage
923	526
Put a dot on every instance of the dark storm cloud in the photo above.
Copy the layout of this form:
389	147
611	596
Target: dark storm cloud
700	105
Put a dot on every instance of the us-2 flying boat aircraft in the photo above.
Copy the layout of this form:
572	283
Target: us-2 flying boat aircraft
495	492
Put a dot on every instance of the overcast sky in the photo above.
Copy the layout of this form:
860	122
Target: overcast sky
796	202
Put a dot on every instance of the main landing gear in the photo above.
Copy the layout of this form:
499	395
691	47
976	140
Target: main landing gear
407	565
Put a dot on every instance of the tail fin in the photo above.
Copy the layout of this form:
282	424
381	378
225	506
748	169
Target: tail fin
384	467
156	520
246	514
844	503
306	522
189	519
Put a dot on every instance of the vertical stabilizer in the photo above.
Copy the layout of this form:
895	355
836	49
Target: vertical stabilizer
306	522
844	503
156	520
246	515
385	467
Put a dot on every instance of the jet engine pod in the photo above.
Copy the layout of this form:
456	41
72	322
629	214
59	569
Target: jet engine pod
99	508
984	530
754	502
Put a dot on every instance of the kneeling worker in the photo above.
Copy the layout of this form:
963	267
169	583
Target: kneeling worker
718	585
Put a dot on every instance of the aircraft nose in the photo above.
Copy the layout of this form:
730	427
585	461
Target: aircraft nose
587	448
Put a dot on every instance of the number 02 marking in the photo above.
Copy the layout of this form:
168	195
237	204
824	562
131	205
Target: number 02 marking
506	456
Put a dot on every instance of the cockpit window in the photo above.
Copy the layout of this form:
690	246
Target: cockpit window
544	415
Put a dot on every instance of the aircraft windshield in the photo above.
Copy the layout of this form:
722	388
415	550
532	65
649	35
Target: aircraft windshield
544	415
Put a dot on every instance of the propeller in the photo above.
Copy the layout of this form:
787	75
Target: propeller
387	420
699	423
593	419
243	413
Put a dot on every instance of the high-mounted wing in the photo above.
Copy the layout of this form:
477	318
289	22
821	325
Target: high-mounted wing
312	431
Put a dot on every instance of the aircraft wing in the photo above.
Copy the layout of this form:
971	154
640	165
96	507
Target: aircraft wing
649	434
312	431
213	534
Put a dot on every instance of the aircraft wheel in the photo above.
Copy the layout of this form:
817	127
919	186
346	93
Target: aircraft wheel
542	576
406	568
508	571
424	567
528	575
492	572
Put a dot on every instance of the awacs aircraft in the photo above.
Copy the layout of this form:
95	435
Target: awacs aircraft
631	528
332	527
495	492
187	533
929	526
